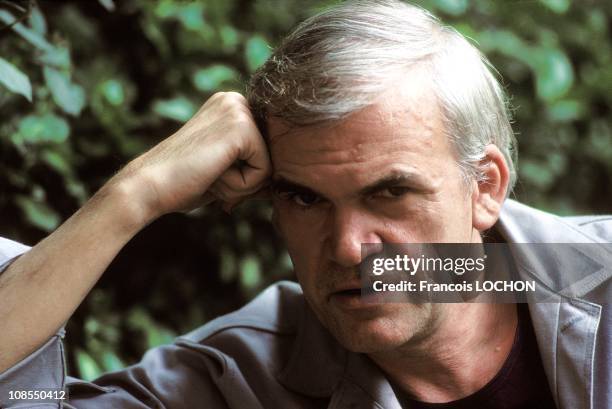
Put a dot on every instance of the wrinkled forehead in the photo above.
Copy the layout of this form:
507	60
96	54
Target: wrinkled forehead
408	114
409	97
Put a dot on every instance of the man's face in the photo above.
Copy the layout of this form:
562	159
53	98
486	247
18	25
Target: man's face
387	174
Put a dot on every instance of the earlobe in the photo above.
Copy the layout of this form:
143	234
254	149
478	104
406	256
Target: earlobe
489	194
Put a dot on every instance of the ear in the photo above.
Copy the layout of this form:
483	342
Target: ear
488	195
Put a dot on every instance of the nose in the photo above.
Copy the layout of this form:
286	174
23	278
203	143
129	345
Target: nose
349	229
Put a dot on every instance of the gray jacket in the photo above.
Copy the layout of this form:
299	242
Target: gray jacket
273	353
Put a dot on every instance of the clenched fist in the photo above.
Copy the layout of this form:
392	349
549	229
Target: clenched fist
219	154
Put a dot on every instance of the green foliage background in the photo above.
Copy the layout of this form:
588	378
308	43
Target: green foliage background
87	85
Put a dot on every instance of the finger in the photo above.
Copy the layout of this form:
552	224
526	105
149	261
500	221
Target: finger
253	162
235	183
264	193
194	206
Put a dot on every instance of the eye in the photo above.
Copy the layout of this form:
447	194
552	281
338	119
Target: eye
393	192
304	199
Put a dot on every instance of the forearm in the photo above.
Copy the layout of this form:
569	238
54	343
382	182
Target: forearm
42	288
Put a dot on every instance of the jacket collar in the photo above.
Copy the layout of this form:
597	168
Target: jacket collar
317	361
571	269
565	327
320	367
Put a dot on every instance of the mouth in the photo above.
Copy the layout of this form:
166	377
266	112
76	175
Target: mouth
349	298
348	292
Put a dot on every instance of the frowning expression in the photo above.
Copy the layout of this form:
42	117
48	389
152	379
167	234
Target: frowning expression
386	174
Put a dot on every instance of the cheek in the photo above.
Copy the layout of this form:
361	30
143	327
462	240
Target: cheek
449	221
431	219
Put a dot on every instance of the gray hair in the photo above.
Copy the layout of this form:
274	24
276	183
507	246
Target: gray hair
338	61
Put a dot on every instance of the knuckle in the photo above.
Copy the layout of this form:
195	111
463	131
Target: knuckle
234	100
217	96
240	117
234	95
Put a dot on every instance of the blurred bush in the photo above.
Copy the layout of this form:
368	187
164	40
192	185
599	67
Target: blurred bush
85	86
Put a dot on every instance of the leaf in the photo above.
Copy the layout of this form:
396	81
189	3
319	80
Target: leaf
191	15
38	213
554	73
229	38
178	109
107	4
257	52
156	36
503	40
227	270
552	69
56	161
28	34
538	174
67	95
567	110
88	368
113	92
58	58
43	128
76	189
453	7
156	334
15	80
111	362
166	8
558	6
37	21
250	272
213	77
598	142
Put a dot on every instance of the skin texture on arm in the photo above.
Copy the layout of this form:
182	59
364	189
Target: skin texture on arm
40	290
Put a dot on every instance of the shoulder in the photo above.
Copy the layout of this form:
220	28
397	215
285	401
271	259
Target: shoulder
254	342
261	331
599	225
274	310
523	223
234	358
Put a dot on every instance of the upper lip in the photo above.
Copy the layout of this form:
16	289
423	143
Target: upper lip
350	285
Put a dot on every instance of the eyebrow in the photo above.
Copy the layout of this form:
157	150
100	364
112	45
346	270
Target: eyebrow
394	179
281	184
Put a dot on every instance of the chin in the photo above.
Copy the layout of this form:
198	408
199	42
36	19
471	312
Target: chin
388	330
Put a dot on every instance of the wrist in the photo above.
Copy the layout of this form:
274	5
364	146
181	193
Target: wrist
123	199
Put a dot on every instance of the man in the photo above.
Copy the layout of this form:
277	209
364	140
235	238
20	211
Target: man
378	125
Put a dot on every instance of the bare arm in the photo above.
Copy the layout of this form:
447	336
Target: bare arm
41	289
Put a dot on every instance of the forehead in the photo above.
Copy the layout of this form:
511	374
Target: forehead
403	128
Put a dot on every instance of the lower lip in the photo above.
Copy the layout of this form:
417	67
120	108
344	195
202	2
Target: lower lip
349	300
